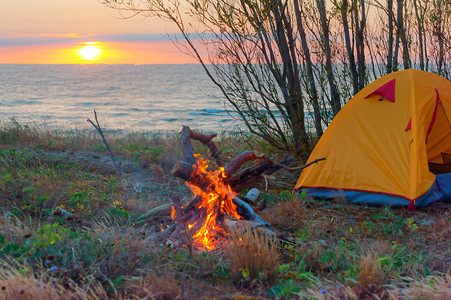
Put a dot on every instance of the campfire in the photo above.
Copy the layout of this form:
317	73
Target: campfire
207	218
216	200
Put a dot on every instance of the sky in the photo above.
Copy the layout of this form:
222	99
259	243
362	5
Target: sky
82	31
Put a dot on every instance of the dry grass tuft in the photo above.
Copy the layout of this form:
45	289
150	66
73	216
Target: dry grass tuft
153	287
288	214
23	284
12	228
40	135
254	257
431	287
329	291
130	246
370	272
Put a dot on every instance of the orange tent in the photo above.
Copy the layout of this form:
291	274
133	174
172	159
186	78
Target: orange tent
388	145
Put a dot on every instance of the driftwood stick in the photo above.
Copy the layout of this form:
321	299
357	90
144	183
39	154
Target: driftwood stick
182	170
164	235
296	168
64	213
239	181
277	167
99	130
207	141
246	210
258	173
239	160
162	211
178	209
248	174
192	205
187	148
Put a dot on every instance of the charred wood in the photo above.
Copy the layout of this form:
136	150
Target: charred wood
185	137
239	161
187	148
243	179
165	234
207	141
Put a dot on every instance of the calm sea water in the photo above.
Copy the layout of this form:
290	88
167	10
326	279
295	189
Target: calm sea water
138	97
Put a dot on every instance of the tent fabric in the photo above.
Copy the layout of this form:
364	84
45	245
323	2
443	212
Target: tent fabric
387	91
440	190
379	146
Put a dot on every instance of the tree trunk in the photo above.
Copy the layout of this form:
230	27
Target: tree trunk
401	34
420	32
439	34
405	42
398	34
360	43
390	36
311	80
293	100
334	96
344	17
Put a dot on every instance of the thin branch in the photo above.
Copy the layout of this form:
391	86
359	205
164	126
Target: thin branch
295	168
99	130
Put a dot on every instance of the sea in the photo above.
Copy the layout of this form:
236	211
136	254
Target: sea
126	97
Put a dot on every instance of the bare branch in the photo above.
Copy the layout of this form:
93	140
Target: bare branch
99	130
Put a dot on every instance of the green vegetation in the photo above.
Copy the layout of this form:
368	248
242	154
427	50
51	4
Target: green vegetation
71	227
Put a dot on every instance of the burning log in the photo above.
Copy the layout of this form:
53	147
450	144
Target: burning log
186	134
239	161
204	217
207	141
159	212
165	234
187	148
248	175
255	173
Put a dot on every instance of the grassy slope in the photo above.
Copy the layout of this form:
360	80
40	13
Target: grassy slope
331	250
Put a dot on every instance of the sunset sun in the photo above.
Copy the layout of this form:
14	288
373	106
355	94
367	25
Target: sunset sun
90	52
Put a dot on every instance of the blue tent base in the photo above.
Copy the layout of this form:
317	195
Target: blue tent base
439	191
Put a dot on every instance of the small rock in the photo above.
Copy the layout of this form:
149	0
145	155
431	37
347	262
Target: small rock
96	157
426	222
253	194
128	169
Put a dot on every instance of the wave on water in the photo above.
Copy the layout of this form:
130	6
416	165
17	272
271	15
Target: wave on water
207	111
143	97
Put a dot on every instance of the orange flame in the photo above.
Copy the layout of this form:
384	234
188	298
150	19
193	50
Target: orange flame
217	202
173	214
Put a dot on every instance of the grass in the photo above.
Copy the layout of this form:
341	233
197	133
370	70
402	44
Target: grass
326	250
254	257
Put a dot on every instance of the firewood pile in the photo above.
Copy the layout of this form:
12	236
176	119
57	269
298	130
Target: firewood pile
215	208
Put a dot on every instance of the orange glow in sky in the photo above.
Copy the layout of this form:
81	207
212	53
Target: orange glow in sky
157	52
82	32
